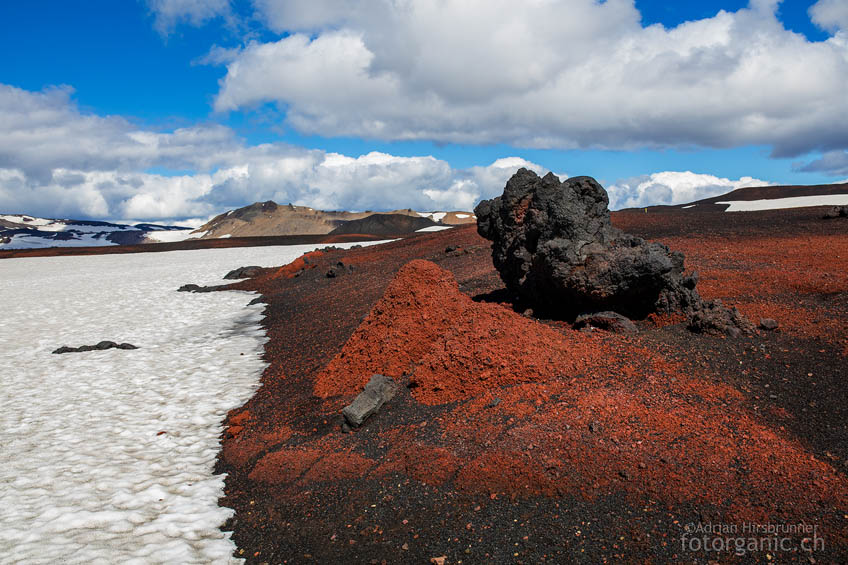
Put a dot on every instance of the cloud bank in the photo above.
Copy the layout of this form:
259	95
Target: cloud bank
554	74
57	160
831	15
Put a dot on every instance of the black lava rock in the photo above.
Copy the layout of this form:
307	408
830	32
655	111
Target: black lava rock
103	345
609	321
713	317
836	212
339	269
554	246
243	272
196	288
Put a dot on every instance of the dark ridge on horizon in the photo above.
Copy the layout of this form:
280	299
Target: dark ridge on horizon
384	224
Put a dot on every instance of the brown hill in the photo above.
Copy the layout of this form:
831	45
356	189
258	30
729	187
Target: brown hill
270	219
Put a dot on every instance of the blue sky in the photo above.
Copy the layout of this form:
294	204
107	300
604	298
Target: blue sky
174	109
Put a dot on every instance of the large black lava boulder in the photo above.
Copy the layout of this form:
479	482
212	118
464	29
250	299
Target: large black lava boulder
554	246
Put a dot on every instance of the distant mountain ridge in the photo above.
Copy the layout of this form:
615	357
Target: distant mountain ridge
269	218
21	231
260	219
263	219
385	224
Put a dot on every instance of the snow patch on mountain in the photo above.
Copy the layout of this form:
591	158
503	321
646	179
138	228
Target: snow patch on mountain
19	231
783	203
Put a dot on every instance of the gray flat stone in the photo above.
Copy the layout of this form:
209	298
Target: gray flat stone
379	390
768	324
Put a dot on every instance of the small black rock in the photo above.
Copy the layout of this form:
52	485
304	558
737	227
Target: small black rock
609	321
339	269
243	272
836	212
101	346
196	288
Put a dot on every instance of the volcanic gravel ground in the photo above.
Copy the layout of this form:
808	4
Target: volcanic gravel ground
604	451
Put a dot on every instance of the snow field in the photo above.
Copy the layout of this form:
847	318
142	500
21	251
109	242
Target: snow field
108	455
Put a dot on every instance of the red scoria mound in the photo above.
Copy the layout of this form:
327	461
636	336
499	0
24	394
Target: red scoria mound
575	412
452	347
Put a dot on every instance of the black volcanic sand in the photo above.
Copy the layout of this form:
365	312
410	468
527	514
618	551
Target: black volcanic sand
793	381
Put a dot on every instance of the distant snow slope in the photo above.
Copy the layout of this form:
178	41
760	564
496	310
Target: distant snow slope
434	228
169	236
18	231
28	232
42	224
781	203
107	456
37	241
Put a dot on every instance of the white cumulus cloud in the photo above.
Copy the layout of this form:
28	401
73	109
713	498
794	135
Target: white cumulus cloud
831	15
56	160
672	187
554	73
170	13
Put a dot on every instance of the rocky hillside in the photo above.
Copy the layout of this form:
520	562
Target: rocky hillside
268	218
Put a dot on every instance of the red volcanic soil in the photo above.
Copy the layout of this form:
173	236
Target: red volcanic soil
520	440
